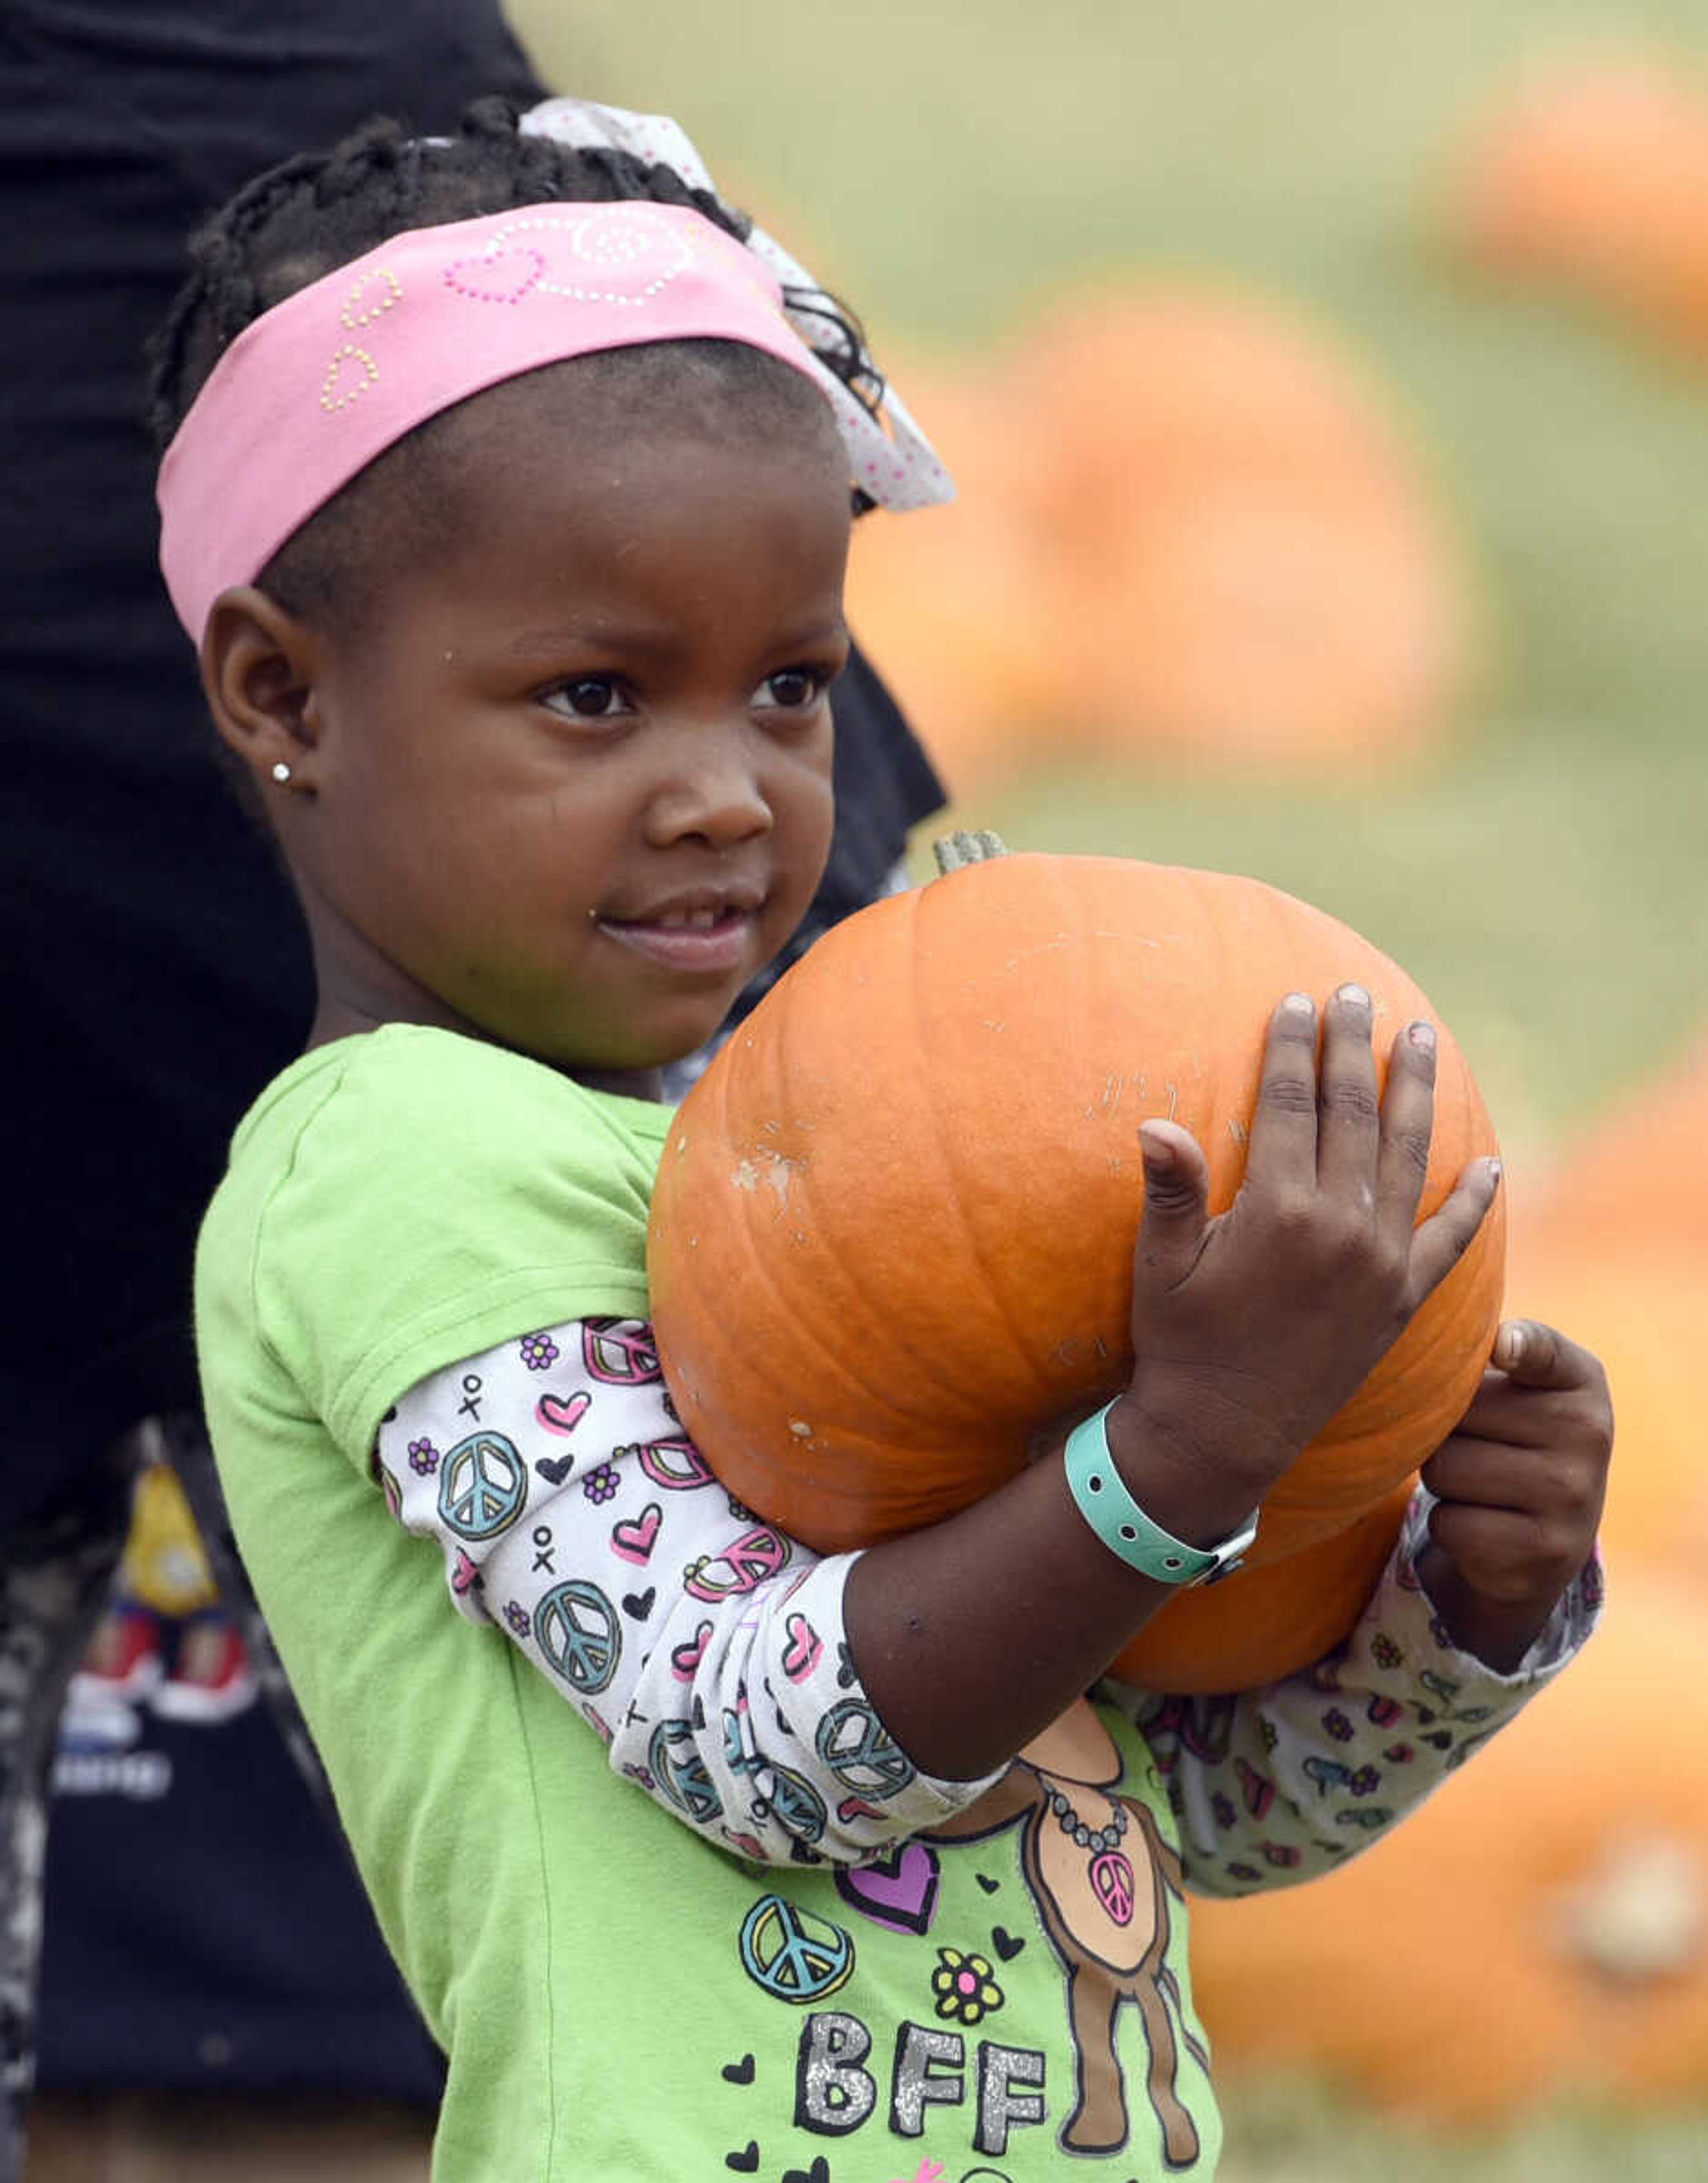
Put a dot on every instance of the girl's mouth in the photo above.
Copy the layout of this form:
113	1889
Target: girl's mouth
706	942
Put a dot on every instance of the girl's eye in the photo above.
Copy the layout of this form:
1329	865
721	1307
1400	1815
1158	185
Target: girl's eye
589	698
792	689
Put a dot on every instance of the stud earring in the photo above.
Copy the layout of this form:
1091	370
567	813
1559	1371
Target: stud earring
281	774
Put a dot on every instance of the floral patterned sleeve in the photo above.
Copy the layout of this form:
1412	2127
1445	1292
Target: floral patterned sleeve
1282	1784
703	1646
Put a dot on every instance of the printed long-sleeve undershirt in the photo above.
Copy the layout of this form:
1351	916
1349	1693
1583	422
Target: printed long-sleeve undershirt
708	1651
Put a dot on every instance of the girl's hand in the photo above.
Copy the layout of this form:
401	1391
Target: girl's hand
1521	1484
1250	1330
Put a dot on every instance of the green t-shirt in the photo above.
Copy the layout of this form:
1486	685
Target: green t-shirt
618	2000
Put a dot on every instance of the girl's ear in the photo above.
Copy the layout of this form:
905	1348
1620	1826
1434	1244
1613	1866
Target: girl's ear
258	665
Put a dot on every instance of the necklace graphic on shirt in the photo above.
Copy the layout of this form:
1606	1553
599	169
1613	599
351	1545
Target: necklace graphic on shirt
1109	1920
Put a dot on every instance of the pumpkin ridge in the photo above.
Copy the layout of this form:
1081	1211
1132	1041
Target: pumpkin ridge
1021	1333
838	1354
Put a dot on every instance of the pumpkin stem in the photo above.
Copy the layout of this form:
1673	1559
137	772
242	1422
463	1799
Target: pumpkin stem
952	851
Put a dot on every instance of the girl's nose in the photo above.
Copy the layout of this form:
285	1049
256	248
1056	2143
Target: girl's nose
717	797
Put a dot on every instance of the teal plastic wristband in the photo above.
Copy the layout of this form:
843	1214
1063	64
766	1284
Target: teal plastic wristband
1122	1524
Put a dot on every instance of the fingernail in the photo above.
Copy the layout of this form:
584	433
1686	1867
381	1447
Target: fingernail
1496	1170
1298	1004
1354	997
1512	1343
1421	1035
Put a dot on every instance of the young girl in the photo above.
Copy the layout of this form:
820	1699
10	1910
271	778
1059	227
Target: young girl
508	507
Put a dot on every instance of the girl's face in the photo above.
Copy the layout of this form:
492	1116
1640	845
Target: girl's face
571	780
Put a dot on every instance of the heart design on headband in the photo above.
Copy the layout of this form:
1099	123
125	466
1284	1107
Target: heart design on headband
351	372
501	275
617	253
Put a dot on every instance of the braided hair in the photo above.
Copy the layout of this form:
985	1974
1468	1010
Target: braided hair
302	219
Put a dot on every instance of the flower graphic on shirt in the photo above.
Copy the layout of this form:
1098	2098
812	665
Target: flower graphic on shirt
965	1991
1365	1782
423	1458
600	1486
517	1616
1384	1652
538	1352
1338	1725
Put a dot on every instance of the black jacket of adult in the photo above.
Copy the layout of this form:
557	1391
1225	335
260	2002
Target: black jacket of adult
157	969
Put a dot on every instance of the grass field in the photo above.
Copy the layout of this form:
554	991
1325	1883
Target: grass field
950	167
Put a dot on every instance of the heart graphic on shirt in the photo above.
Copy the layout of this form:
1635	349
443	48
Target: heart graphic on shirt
464	1574
640	1603
747	2162
898	1890
503	276
633	1538
987	1883
739	2072
561	1413
819	2172
554	1468
1005	1944
801	1654
685	1659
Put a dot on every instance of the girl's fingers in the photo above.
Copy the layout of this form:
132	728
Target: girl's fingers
1177	1204
1441	1241
1537	1356
1284	1126
1408	1117
1348	1113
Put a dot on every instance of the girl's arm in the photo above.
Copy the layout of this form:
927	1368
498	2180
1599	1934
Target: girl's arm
1250	1330
1492	1588
1282	1784
705	1648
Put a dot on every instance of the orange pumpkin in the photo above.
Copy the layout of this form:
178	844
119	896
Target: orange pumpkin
893	1227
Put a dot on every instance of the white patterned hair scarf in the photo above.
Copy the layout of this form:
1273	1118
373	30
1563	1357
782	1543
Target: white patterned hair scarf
896	467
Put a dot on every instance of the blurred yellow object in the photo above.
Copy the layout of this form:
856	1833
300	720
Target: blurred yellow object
164	1565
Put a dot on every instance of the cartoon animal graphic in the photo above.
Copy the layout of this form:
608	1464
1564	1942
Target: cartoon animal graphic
1104	1883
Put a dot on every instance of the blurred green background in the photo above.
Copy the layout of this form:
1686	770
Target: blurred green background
951	167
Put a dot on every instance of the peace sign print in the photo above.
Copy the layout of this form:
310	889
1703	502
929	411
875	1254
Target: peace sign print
576	1627
681	1772
791	1954
482	1484
797	1804
853	1744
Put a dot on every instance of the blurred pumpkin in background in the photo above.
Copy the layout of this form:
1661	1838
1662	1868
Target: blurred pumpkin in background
1188	526
1594	175
1237	533
1540	1930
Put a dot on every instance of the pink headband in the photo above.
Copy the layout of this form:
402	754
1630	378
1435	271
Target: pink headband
311	391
